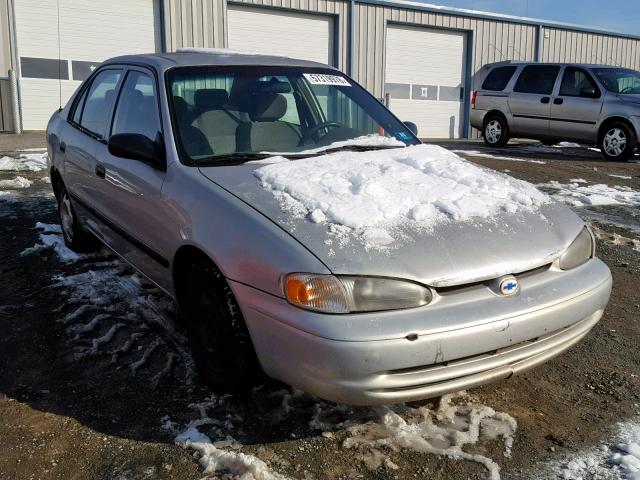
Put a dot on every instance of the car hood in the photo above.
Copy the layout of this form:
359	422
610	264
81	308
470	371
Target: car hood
447	254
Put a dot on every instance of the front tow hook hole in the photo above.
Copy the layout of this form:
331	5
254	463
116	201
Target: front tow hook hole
412	337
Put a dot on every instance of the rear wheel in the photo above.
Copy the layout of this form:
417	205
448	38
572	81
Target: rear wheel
617	142
75	237
496	131
218	336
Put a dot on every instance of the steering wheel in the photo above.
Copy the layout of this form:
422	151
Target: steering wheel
313	130
626	89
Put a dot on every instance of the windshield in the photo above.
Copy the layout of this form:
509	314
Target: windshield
619	80
243	112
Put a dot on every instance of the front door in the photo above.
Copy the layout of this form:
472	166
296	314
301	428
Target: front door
576	108
530	101
129	197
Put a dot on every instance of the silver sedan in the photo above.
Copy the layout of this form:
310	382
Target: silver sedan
306	234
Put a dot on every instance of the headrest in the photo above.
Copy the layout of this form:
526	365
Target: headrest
211	98
268	107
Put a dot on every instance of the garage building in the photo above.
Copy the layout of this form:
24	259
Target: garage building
421	58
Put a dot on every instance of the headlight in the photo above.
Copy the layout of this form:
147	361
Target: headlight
581	250
346	294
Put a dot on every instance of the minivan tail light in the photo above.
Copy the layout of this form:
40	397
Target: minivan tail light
474	94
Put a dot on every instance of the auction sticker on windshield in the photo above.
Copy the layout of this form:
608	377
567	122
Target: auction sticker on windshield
322	79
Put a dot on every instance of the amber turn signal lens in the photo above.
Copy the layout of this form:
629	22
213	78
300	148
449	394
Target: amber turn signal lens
297	291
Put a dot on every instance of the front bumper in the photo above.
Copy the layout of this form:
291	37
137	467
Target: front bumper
397	369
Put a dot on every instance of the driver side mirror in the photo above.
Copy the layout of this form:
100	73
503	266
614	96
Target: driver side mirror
136	146
412	127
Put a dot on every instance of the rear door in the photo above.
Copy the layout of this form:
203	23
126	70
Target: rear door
577	107
85	131
129	191
530	101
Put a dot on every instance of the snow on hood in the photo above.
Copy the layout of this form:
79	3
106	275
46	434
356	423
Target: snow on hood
423	185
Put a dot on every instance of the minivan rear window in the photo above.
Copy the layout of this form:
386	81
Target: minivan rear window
538	79
498	79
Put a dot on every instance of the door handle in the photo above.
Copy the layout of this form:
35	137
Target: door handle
558	101
101	171
63	146
545	100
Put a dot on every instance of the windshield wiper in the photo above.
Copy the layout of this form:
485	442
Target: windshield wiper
230	159
353	148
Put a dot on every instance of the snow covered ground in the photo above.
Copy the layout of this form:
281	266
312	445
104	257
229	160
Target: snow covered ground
578	194
479	154
32	162
374	191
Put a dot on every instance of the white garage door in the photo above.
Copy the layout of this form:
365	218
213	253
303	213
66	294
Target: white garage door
274	32
90	32
425	74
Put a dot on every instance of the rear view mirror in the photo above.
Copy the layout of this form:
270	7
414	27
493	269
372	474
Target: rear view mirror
412	127
137	147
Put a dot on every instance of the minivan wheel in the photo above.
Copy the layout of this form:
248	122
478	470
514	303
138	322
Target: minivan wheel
219	339
617	142
75	237
496	131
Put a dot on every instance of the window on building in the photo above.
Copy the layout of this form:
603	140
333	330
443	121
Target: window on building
577	83
498	79
137	109
97	107
538	79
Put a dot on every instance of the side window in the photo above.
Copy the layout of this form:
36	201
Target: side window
97	106
538	79
137	109
498	79
577	83
77	113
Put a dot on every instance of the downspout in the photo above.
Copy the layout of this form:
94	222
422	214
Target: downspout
539	44
352	38
14	73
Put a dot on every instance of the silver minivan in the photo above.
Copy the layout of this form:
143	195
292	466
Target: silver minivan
356	263
591	104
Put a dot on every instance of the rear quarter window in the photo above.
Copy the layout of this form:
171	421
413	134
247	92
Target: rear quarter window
498	79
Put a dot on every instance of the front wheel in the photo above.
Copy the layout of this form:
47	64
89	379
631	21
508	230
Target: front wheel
496	131
618	142
218	336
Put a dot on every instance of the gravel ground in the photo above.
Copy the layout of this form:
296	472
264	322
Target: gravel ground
95	379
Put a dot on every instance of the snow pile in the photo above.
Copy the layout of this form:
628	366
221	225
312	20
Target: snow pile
620	460
219	455
476	153
457	422
371	192
578	195
33	162
51	237
18	182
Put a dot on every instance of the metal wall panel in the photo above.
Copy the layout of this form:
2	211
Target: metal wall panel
5	39
195	23
583	47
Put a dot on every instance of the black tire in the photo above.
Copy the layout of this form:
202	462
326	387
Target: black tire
617	142
219	339
75	237
495	131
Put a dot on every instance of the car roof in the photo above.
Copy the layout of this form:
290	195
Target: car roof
561	64
211	56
